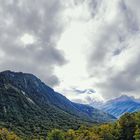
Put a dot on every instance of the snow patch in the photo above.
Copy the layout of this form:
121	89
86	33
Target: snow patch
23	93
4	108
30	100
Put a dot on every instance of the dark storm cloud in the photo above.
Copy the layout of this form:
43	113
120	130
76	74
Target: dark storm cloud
40	19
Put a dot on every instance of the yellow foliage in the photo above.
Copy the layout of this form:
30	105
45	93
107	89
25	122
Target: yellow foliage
6	135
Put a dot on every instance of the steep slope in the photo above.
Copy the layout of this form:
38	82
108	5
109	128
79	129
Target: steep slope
119	106
31	106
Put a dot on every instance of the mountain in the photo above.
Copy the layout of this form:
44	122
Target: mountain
121	105
29	106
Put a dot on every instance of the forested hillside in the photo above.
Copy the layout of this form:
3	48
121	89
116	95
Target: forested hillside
126	128
29	107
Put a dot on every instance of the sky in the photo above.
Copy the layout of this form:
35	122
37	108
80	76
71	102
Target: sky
85	49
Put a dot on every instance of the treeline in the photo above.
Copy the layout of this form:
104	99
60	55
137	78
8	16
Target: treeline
126	128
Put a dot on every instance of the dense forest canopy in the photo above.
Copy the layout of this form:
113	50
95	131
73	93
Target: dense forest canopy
126	128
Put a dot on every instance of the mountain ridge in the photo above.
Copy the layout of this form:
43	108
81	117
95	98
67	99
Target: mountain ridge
121	105
25	98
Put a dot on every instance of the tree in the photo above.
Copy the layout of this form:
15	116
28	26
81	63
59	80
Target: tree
70	135
6	135
126	126
137	134
137	118
108	132
56	135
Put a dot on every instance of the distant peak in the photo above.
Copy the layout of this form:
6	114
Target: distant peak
127	97
123	98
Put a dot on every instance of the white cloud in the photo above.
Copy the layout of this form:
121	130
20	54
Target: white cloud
114	58
99	38
27	39
103	49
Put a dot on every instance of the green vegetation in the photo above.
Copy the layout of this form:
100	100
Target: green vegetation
6	135
56	134
33	111
126	128
28	119
30	108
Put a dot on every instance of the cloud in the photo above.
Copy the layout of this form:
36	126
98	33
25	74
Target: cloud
86	96
102	45
80	91
99	38
29	34
113	58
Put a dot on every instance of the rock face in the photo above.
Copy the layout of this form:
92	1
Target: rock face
28	103
119	106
